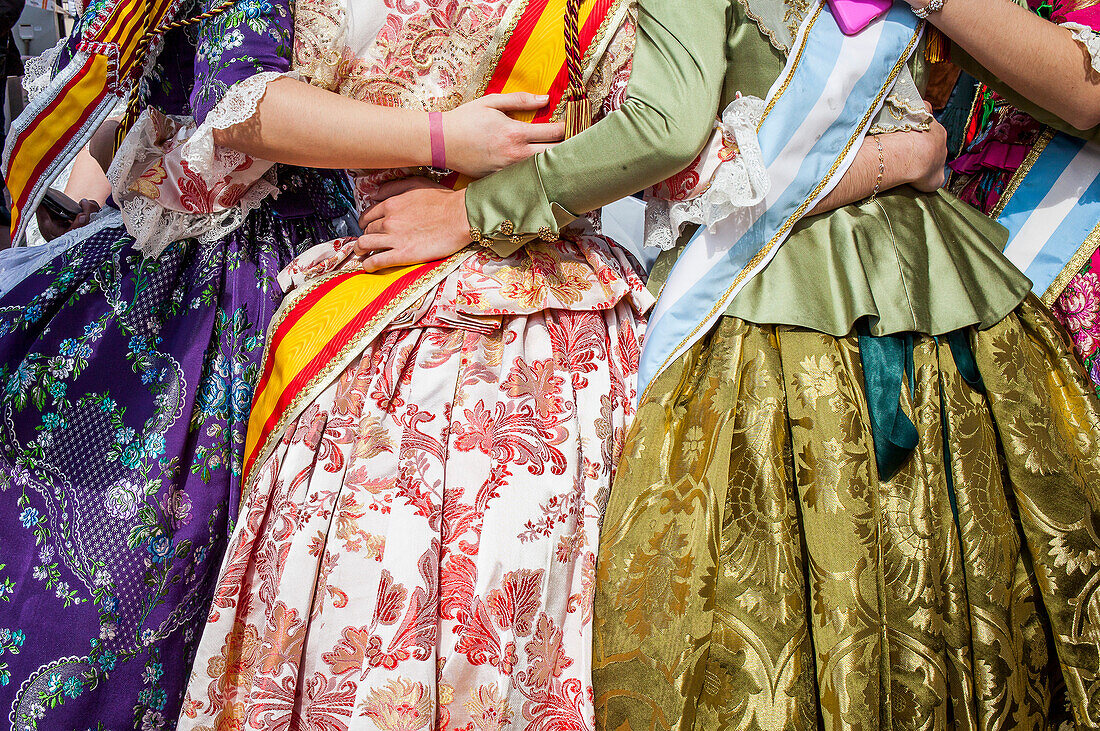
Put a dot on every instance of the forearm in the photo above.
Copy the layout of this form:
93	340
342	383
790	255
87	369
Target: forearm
87	179
299	124
1036	58
862	175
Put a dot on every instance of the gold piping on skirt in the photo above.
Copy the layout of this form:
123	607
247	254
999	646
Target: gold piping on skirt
754	573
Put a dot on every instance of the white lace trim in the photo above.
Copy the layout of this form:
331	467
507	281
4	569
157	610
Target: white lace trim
738	183
38	71
155	226
1088	38
238	105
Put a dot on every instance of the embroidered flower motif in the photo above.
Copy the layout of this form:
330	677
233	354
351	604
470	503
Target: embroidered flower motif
1079	309
818	379
159	547
123	499
28	517
488	711
72	687
401	705
150	181
514	604
543	276
152	721
177	506
693	445
656	583
236	666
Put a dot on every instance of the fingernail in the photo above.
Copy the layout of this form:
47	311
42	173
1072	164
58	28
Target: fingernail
543	97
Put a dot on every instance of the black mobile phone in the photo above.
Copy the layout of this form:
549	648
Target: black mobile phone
60	206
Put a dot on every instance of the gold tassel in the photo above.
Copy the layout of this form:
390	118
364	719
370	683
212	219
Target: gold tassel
936	49
578	110
134	106
578	115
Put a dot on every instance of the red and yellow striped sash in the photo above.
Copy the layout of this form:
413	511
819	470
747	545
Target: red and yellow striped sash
50	133
318	332
317	329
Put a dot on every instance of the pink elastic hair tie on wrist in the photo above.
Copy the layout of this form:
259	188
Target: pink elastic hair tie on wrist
435	130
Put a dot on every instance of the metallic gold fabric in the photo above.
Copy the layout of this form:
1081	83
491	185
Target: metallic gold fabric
754	573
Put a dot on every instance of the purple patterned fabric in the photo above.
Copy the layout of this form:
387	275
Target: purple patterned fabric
125	385
252	37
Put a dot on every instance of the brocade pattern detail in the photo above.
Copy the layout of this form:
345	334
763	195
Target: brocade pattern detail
755	573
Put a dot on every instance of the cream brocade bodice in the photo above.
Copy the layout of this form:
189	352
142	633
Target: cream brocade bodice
433	55
429	55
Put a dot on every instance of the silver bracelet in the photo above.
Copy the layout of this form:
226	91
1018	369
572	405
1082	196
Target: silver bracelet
933	6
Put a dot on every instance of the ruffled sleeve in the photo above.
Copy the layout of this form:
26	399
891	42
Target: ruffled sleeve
1089	40
728	175
169	177
39	70
254	38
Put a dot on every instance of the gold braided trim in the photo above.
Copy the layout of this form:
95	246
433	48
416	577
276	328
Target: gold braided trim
764	29
884	129
780	234
1087	248
1075	264
352	349
507	26
793	66
485	68
1021	172
134	103
596	49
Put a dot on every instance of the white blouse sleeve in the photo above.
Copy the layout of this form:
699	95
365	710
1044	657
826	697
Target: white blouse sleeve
1088	38
172	182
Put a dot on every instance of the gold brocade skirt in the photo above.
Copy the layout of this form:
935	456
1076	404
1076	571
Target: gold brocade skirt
755	573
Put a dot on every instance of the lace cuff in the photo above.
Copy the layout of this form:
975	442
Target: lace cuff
38	71
739	179
172	182
1088	38
900	113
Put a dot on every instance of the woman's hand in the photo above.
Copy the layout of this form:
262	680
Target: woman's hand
416	221
52	227
914	158
481	138
926	153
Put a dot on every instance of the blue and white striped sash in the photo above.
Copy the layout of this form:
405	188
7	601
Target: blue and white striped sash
1051	209
816	115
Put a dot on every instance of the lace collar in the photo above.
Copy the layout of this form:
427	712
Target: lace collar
778	21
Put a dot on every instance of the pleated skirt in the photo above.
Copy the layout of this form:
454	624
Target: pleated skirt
756	573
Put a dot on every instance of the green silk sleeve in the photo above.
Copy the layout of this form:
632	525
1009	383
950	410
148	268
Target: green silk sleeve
672	101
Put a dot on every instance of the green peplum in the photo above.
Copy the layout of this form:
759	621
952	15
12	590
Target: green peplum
911	262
